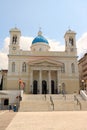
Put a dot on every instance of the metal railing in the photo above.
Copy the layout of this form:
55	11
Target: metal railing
45	97
78	102
52	103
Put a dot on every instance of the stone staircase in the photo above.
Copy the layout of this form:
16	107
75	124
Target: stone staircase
59	102
82	103
65	103
34	103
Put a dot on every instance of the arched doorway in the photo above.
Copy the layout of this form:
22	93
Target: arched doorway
1	85
35	89
6	101
52	87
44	87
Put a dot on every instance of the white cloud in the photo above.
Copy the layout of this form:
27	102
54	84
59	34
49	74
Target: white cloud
82	45
25	43
3	60
55	45
3	55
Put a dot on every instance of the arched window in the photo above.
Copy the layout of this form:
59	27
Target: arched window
73	68
14	39
63	68
13	66
71	41
24	67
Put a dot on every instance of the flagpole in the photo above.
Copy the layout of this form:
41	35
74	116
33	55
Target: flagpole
20	82
19	79
19	85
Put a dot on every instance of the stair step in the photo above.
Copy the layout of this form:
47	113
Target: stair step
61	103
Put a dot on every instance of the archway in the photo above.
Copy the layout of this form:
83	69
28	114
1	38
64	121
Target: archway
1	85
35	88
6	101
52	87
44	87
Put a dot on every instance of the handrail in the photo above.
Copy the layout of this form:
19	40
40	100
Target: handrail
78	102
64	96
52	103
83	94
45	97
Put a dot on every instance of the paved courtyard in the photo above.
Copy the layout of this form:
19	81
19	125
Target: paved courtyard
61	120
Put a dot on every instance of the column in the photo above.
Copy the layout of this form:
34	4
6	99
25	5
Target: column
31	81
57	87
40	81
49	81
59	80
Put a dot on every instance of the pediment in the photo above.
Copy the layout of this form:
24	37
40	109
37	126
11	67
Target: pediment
45	62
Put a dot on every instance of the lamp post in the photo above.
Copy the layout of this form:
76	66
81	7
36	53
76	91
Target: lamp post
86	85
59	89
83	85
63	88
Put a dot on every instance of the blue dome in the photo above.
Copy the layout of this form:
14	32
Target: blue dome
39	38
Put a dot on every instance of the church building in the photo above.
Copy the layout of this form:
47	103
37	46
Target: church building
41	71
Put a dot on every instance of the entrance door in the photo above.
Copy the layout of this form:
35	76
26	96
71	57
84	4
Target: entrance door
52	86
6	101
44	87
35	89
5	104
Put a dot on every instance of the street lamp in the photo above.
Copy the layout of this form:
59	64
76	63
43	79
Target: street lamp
83	85
63	88
59	91
86	85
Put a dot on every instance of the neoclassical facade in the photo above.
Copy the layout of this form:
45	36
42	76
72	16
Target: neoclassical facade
40	70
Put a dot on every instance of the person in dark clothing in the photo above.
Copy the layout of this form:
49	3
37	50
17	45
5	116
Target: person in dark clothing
10	107
15	108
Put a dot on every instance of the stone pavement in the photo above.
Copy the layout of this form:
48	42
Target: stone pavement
60	120
5	118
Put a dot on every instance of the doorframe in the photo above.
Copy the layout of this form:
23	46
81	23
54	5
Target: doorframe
44	87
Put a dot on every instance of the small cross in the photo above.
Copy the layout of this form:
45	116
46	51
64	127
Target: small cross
39	28
69	27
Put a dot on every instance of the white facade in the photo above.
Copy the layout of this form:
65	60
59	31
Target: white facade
40	70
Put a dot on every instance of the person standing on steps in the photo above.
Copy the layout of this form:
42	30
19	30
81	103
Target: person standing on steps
10	107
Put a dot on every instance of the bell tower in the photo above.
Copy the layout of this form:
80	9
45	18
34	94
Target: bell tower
14	40
70	42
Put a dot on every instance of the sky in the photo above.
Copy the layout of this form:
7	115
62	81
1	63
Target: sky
54	17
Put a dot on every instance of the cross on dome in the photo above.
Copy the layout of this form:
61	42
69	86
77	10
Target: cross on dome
40	32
